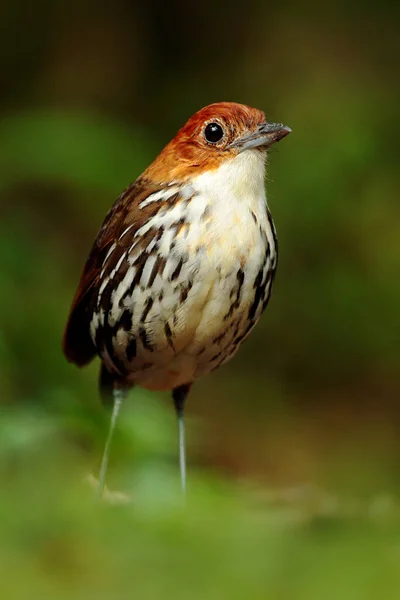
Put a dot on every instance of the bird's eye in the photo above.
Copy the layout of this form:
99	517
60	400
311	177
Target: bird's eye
213	133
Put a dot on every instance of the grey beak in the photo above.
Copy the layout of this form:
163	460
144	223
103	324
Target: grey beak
264	136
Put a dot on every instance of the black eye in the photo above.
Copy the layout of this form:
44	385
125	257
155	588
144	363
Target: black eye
213	133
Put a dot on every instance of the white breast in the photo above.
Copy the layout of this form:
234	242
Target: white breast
225	243
235	196
235	238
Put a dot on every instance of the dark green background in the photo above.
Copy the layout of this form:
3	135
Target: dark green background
90	93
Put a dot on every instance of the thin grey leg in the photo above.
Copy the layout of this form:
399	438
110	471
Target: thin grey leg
179	396
182	451
118	396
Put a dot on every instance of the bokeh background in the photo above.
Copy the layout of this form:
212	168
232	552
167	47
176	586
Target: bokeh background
302	427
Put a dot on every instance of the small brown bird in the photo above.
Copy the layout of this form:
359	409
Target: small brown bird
183	265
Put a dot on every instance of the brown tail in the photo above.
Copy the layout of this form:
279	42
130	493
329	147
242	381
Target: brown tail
77	343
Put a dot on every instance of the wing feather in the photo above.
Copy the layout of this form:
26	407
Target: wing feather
122	221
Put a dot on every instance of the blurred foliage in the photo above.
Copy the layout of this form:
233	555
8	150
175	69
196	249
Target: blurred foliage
90	95
226	542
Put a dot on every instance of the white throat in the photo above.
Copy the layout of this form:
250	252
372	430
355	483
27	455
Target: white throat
233	196
238	180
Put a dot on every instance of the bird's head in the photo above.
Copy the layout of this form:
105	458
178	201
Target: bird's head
215	134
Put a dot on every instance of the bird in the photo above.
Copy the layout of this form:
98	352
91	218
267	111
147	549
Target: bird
183	265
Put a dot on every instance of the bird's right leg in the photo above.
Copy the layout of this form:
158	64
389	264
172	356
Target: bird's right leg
110	391
118	395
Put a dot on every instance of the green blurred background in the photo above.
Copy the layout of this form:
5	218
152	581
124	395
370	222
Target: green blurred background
306	418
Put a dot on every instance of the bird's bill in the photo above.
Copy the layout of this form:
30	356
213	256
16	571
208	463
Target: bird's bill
264	136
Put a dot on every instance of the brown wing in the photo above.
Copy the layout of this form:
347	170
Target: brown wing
77	343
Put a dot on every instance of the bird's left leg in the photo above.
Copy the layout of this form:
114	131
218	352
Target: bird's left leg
179	396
